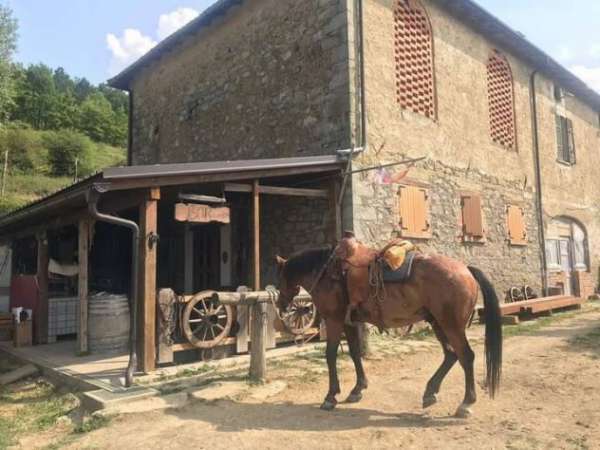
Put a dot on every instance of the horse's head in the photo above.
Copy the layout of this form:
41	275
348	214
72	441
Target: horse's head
287	287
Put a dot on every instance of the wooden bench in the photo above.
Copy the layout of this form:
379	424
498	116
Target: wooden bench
537	305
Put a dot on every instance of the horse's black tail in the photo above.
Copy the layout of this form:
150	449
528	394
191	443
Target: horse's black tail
493	331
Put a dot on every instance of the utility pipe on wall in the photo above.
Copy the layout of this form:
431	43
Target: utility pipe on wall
93	198
538	179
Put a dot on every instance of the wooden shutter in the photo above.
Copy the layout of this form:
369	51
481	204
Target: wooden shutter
414	212
472	216
517	232
560	150
570	144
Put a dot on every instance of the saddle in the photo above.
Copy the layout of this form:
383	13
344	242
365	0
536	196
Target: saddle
366	271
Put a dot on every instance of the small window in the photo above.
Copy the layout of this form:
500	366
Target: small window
553	254
565	140
558	93
472	217
414	212
517	231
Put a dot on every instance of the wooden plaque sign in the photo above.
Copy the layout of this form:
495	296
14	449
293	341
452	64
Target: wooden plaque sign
201	213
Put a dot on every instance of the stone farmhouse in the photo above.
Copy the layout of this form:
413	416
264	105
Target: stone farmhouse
511	138
256	106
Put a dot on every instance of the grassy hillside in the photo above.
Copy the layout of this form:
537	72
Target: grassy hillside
42	176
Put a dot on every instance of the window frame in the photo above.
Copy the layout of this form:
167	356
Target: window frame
565	140
466	235
514	241
496	54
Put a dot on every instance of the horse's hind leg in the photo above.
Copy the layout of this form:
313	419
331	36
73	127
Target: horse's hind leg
353	337
466	357
434	384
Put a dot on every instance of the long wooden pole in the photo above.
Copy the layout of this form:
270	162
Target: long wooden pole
256	235
84	236
42	279
147	277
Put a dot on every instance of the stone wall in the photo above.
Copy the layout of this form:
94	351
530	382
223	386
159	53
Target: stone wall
269	80
571	191
290	224
377	221
460	155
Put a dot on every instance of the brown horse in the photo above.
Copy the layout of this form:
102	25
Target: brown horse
440	290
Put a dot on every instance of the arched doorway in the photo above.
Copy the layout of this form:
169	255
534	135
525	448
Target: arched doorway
566	254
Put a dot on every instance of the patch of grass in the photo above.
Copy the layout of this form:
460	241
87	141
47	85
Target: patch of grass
95	422
532	327
31	408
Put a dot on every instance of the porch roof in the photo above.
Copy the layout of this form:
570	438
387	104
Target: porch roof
56	207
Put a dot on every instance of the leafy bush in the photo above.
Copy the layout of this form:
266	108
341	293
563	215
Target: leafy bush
69	151
26	151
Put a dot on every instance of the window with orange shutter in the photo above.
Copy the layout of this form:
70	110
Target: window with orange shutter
472	217
414	212
501	101
517	230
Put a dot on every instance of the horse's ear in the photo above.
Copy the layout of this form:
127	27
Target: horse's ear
280	261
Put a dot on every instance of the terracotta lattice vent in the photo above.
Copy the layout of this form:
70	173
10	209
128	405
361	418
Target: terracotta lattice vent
413	39
501	101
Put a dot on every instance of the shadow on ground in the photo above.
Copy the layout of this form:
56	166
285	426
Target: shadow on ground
230	416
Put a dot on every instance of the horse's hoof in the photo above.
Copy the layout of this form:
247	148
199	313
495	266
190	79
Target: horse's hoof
328	405
429	401
463	412
354	398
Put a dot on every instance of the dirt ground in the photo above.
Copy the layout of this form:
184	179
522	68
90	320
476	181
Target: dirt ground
549	399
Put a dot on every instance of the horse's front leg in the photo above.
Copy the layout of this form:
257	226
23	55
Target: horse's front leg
353	337
334	334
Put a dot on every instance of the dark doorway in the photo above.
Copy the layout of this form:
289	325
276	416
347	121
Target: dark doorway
206	257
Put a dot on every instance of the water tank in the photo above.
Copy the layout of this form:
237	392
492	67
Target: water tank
108	323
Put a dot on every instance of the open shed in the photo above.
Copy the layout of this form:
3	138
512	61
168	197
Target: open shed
202	226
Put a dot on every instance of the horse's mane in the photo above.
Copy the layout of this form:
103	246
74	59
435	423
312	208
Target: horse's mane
307	261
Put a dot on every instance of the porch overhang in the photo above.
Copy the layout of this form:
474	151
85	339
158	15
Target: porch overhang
67	205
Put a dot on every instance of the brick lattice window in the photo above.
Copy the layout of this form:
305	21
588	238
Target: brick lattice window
501	101
414	58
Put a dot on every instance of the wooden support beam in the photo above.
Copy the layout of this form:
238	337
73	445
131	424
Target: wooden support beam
255	238
258	342
147	282
41	319
277	190
335	210
83	252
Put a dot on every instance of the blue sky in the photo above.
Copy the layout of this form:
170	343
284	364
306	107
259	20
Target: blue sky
96	38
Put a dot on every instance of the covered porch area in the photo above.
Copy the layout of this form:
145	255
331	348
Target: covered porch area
202	227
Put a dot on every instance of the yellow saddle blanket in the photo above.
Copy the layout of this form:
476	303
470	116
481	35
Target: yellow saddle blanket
395	252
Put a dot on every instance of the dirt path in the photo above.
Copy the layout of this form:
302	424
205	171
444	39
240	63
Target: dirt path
550	399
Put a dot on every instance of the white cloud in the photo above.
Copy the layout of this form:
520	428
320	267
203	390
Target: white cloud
127	48
590	75
133	43
564	53
595	51
173	21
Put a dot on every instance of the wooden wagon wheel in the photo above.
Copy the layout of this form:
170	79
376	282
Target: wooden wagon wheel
300	316
206	322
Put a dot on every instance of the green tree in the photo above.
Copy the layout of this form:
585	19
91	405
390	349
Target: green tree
69	150
63	82
8	45
36	101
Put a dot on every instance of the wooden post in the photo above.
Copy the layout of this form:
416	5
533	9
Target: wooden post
188	260
336	210
147	282
258	342
83	251
41	327
256	235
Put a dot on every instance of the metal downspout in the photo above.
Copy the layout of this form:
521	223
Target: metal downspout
359	19
93	197
538	179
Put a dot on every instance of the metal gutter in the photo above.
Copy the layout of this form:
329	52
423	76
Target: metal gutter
538	179
93	198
